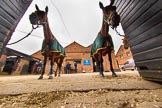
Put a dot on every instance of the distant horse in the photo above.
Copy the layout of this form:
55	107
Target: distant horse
50	48
103	43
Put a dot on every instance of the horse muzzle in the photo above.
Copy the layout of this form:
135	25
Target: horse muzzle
33	18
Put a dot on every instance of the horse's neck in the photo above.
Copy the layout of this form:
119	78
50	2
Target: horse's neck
105	29
47	32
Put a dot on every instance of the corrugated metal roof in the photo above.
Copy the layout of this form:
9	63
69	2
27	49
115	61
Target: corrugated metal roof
11	11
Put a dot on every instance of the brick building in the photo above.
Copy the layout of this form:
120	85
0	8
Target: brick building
123	55
14	62
81	55
2	61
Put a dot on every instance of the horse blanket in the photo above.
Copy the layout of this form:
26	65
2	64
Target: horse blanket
98	44
54	46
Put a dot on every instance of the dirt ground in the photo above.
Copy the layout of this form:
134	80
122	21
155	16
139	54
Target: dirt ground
84	90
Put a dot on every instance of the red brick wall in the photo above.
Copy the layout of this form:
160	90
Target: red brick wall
3	58
122	51
20	67
2	62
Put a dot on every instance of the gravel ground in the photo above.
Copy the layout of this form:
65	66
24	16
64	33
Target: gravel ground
84	90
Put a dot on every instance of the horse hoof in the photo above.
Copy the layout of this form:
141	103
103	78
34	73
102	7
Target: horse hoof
55	75
114	75
101	75
58	75
41	77
50	77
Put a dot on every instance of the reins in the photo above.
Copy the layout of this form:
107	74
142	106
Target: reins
33	28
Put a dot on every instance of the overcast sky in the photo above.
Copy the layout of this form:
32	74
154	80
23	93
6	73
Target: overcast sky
70	20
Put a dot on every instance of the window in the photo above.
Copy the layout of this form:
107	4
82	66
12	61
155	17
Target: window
128	54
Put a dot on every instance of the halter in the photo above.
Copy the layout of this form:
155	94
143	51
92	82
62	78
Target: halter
35	20
107	20
42	22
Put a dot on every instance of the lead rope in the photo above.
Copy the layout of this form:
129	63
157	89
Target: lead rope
33	28
119	33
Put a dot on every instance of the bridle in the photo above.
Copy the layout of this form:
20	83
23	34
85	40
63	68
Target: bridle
34	20
107	20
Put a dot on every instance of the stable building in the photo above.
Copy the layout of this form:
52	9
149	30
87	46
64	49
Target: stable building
13	62
76	53
123	55
80	54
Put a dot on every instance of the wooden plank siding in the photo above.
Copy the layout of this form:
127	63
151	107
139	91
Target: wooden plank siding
142	23
11	11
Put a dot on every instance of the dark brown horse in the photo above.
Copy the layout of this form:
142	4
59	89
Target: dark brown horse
50	48
103	43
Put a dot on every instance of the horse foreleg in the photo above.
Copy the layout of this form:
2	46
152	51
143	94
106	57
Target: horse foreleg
44	67
111	65
100	59
51	68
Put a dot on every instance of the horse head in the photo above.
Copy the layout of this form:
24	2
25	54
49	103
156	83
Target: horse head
110	15
38	17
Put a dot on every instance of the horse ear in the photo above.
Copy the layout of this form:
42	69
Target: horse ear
36	7
46	9
112	2
101	5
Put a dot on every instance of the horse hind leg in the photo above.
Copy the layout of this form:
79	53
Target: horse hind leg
59	71
51	71
60	65
56	71
60	68
51	68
